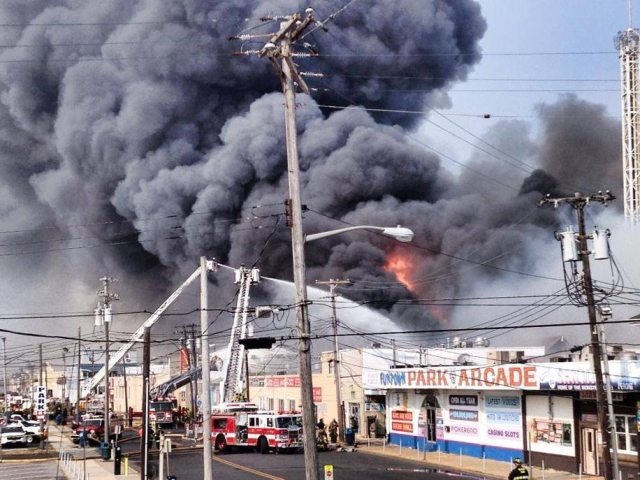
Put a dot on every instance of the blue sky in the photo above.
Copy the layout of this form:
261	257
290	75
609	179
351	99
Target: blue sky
541	49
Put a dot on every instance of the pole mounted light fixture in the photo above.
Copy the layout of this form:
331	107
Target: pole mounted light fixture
399	233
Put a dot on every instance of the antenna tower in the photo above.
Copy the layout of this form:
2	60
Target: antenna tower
628	45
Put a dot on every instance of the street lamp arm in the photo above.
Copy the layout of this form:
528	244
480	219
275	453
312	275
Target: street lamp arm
401	234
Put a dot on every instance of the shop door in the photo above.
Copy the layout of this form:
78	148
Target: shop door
589	452
354	417
431	424
430	405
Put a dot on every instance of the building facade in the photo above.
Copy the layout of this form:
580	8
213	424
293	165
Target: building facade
543	412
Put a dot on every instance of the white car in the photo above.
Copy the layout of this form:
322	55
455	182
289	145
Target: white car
13	434
33	430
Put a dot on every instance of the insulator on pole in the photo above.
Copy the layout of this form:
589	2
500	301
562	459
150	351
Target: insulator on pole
569	244
601	244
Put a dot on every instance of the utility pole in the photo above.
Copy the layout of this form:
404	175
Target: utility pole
4	384
206	376
78	381
247	392
279	46
578	202
104	310
4	373
336	350
194	366
41	364
126	390
144	438
605	312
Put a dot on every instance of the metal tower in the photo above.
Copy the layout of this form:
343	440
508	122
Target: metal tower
628	45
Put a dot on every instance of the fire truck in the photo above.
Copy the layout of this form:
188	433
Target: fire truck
161	412
242	425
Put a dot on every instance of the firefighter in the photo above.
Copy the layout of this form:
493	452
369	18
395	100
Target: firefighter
519	472
333	431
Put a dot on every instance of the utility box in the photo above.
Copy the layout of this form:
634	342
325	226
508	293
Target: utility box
105	451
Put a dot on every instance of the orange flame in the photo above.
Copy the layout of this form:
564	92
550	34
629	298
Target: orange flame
402	267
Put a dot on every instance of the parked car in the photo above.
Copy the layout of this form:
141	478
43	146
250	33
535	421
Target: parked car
16	417
13	434
33	429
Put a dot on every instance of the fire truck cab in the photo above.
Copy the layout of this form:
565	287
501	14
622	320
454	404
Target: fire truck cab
243	426
161	412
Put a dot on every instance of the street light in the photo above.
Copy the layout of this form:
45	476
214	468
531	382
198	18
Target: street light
304	326
401	234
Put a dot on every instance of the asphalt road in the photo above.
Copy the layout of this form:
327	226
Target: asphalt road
245	465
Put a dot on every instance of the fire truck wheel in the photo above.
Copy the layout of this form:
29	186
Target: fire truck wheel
221	444
263	445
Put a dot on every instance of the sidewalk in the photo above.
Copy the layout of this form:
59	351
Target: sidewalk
84	463
472	466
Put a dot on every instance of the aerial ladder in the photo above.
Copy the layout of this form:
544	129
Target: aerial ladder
244	277
139	334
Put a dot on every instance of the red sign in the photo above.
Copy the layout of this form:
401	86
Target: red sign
282	382
400	415
401	427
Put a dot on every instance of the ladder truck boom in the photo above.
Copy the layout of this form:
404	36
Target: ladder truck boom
233	372
139	334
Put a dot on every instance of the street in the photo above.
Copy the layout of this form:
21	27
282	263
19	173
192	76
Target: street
346	465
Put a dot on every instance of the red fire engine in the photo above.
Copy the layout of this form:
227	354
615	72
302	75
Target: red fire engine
161	412
242	425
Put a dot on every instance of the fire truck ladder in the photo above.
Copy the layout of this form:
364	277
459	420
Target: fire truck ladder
175	383
245	277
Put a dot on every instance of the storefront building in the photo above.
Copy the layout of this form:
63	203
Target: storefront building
476	411
542	412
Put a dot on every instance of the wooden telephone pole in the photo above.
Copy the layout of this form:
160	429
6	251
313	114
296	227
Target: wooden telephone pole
578	202
280	47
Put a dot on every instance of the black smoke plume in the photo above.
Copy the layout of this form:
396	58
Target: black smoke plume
129	125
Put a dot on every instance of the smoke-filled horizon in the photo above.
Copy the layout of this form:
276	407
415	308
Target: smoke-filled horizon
133	142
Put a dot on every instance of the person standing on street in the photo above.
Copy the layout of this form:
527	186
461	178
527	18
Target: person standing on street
519	472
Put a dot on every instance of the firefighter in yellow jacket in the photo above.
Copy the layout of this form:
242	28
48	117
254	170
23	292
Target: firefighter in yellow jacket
519	472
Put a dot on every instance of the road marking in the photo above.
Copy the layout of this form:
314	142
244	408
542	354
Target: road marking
247	469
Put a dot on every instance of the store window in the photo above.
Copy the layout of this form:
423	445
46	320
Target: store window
627	433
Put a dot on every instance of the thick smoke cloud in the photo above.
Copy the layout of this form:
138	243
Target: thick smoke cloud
129	123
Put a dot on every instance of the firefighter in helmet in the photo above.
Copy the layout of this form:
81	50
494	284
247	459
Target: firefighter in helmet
519	472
